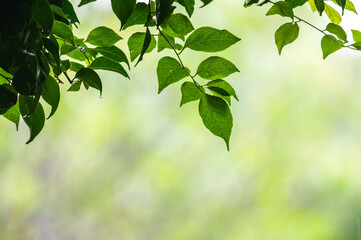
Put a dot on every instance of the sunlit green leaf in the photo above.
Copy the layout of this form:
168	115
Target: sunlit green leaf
169	71
177	25
113	53
329	45
63	31
146	44
102	37
332	14
74	66
285	35
135	45
356	35
296	3
216	116
75	86
219	83
163	43
13	115
208	39
103	63
69	11
216	67
337	30
123	9
281	8
188	5
139	16
190	92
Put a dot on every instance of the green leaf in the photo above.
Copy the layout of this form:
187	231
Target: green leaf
281	8
356	35
332	14
190	92
163	10
146	43
312	5
113	53
248	3
59	14
90	77
337	30
285	35
296	3
43	15
320	6
216	67
349	6
51	94
103	63
83	2
221	84
169	71
53	48
188	5
77	55
329	45
75	86
13	115
208	39
135	45
163	43
36	120
5	74
139	16
342	4
177	25
206	2
65	65
74	66
63	31
7	97
216	116
102	37
123	9
69	11
24	81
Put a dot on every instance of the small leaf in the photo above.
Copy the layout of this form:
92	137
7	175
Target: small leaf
123	9
63	31
332	14
103	63
177	25
296	3
139	15
53	48
36	120
146	43
342	4
329	45
83	2
356	35
208	39
206	2
163	10
337	30
74	66
75	86
216	116
248	3
102	37
190	93
281	8
68	9
135	45
90	77
51	94
219	83
7	97
3	75
13	115
43	15
188	5
163	43
285	35
216	67
320	6
169	71
24	81
113	53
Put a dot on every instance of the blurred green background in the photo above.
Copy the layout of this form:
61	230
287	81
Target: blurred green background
135	166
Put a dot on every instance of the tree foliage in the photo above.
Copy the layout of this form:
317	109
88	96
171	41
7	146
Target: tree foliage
39	52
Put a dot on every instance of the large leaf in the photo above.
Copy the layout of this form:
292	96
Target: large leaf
163	43
63	31
163	10
216	67
169	71
43	15
188	5
190	93
329	45
123	9
90	77
13	115
36	120
113	53
285	35
136	42
208	39
139	16
216	116
104	63
69	11
356	35
337	30
102	37
225	86
177	25
51	94
320	6
281	8
332	14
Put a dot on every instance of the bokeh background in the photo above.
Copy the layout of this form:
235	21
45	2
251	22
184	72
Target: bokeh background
134	165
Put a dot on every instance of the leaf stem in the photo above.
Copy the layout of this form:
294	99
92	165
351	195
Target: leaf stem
67	77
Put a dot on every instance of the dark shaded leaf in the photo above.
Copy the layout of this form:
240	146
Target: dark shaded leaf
139	16
13	115
83	2
24	81
63	31
103	63
135	45
146	43
90	77
43	15
113	53
163	10
188	5
68	9
123	9
51	94
221	84
320	6
177	25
